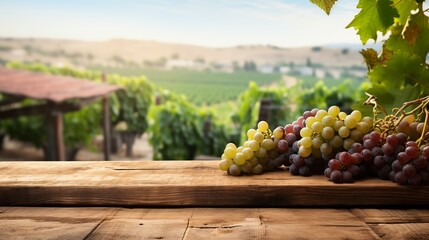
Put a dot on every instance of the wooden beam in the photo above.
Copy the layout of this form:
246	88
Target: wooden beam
41	109
10	99
106	124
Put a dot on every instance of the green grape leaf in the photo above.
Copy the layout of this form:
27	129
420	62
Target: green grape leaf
401	68
375	16
325	5
404	8
391	98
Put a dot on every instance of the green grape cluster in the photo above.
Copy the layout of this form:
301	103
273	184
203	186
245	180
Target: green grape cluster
329	132
253	157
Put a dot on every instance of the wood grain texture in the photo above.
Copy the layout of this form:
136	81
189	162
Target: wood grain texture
50	223
186	183
207	223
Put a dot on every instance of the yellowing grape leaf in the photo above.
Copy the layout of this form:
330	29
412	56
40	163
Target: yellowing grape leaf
371	57
325	5
374	16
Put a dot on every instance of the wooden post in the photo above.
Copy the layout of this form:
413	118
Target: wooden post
56	136
106	124
264	110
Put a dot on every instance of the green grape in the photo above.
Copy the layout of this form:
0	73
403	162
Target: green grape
356	135
246	167
344	132
225	164
363	127
328	121
326	148
268	144
261	153
306	132
342	115
254	161
259	137
232	145
262	126
321	114
250	133
257	169
278	132
304	152
239	158
336	141
309	121
254	145
350	122
230	152
246	144
333	111
223	156
338	124
234	170
356	115
317	127
306	142
347	143
248	153
368	121
317	142
328	133
240	149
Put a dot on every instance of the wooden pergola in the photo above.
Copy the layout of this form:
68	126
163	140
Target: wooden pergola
59	94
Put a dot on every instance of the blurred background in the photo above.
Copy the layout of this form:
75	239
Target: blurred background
195	75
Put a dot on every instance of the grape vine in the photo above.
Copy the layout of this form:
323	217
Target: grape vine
402	63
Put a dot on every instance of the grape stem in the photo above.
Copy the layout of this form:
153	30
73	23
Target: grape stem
390	122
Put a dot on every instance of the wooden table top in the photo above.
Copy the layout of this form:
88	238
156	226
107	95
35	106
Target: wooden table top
211	223
187	183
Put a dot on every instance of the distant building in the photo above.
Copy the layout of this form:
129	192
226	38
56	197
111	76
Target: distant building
266	69
178	63
285	69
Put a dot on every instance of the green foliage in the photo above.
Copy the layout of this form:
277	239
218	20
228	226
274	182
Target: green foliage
375	16
130	106
399	72
177	129
325	5
200	87
320	96
249	104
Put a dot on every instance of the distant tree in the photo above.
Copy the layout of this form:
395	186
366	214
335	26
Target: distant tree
308	62
345	51
199	60
236	66
316	49
250	66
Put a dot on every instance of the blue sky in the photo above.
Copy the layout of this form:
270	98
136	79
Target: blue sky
213	23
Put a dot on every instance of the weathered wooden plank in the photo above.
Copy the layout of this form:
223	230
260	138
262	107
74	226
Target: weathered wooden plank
186	183
203	223
374	216
418	231
314	224
50	223
140	229
233	223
